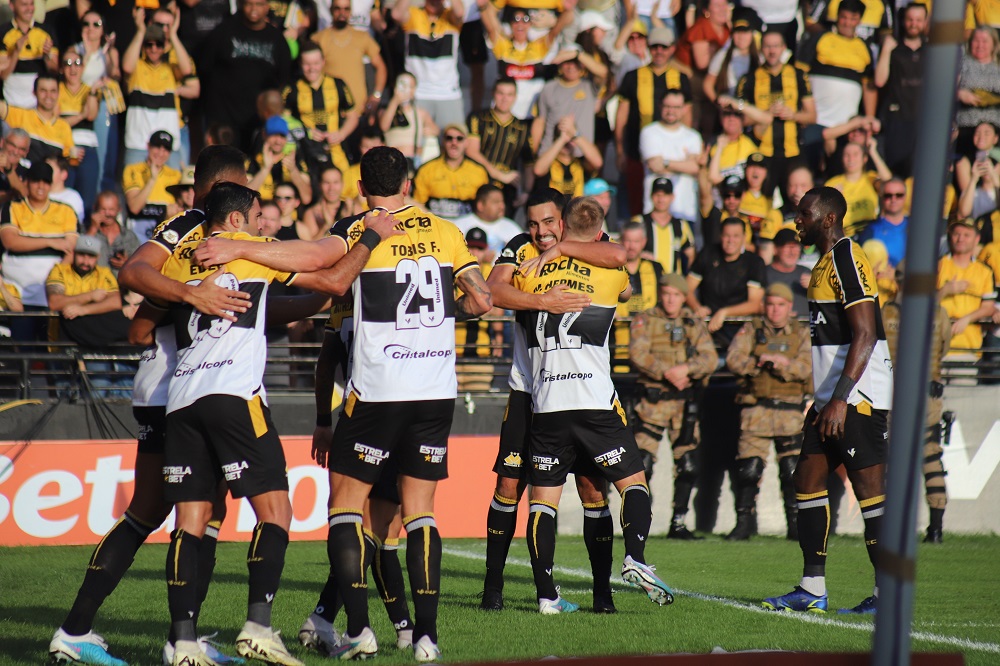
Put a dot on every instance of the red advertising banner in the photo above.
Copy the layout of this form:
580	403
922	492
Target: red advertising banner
71	492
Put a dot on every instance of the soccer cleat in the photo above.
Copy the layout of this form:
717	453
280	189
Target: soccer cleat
556	606
189	653
264	644
934	535
426	650
492	600
680	532
796	600
644	576
404	639
318	634
87	649
208	646
603	603
866	607
362	647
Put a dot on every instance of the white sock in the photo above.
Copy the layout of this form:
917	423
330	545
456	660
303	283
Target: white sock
875	593
814	585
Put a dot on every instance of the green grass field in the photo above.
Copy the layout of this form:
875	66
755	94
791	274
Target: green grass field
719	587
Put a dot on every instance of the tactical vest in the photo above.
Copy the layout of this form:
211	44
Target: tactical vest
669	340
890	321
766	341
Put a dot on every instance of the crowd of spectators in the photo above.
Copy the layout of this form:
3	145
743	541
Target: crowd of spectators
698	125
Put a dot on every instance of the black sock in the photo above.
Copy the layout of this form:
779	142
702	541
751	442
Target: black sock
108	563
814	529
265	562
390	584
346	548
182	584
423	563
637	516
329	603
206	561
542	547
501	520
599	536
872	510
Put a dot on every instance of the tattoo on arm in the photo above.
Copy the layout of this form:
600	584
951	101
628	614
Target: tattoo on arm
475	293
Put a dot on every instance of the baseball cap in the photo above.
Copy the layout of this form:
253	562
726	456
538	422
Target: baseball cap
781	290
39	171
162	139
593	19
662	36
745	18
187	180
732	184
476	238
757	159
675	280
785	236
958	222
596	186
458	127
664	185
638	27
88	245
276	125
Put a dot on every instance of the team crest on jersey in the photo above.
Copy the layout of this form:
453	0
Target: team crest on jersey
544	463
513	460
612	457
171	236
433	454
370	454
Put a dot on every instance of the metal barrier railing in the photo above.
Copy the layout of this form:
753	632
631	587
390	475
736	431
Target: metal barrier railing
58	369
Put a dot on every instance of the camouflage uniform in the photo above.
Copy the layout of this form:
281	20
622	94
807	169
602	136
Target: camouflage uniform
934	473
773	400
656	344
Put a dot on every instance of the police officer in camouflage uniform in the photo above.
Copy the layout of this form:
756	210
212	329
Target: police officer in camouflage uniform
934	487
673	351
772	355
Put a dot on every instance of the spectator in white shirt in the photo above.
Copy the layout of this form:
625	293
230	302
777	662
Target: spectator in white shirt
670	148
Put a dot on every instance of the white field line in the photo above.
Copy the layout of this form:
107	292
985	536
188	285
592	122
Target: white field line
812	618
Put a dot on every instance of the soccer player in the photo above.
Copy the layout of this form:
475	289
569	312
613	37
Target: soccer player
405	314
75	639
219	426
852	382
545	231
577	413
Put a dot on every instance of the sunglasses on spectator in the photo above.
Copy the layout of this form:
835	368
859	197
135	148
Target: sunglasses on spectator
455	138
165	26
660	46
93	24
732	195
151	44
69	62
894	195
521	18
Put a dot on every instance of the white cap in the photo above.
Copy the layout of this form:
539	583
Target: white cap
593	19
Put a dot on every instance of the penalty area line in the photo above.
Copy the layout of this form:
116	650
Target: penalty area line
811	618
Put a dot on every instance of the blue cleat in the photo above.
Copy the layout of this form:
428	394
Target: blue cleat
643	576
87	649
796	600
866	607
556	606
362	647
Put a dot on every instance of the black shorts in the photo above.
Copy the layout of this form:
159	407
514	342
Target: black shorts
472	43
865	441
584	441
222	437
152	422
514	436
387	486
416	432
